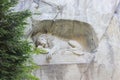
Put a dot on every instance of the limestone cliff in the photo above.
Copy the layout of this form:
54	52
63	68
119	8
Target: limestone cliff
99	61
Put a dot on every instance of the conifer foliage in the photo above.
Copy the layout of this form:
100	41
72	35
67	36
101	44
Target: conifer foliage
14	50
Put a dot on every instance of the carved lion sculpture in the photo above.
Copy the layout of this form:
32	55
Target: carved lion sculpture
55	45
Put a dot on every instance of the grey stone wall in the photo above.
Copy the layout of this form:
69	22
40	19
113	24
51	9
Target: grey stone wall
65	72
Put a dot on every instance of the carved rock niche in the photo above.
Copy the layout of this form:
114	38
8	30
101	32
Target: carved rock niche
68	29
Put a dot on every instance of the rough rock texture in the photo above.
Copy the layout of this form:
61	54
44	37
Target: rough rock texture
104	18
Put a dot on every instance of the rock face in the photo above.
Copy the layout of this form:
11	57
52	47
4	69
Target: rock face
99	60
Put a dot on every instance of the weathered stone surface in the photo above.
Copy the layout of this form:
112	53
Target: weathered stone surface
97	13
104	18
64	72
